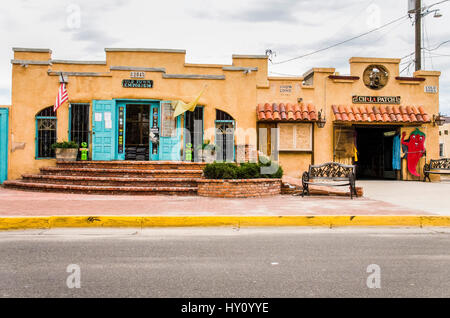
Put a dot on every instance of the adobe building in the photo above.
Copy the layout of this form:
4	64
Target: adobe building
444	139
122	107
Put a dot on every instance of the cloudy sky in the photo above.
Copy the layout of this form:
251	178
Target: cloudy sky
211	31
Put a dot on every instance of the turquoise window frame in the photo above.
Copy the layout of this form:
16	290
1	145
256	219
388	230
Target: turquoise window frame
234	129
36	144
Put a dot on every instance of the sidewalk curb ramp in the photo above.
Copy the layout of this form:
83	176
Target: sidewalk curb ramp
21	223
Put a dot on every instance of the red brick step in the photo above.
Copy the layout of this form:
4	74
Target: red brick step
115	177
116	172
123	190
137	165
110	181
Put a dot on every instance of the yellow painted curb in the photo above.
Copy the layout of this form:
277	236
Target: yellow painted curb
16	223
24	223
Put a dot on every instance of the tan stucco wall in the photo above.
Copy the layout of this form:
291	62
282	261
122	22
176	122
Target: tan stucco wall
445	139
34	87
294	164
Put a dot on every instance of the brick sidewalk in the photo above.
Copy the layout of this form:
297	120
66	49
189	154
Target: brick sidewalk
21	203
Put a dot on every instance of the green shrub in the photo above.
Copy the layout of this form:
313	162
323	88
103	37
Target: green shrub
225	170
221	170
267	163
248	171
65	145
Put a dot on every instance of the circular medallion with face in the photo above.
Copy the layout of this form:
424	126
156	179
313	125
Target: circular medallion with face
375	76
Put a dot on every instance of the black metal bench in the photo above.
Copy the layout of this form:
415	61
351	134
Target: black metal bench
330	174
439	166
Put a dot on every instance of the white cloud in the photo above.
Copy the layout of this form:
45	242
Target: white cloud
212	30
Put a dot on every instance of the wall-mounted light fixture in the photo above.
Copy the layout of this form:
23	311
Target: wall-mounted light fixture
321	120
438	120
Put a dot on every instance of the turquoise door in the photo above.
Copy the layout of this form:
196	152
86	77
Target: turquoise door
3	144
170	140
155	131
103	130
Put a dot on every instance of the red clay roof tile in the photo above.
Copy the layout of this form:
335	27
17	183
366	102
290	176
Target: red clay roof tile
286	112
312	112
370	113
290	109
276	112
377	113
305	114
336	112
404	114
283	112
343	113
355	111
350	114
418	114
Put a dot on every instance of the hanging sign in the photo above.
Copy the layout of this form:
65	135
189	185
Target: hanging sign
128	83
376	99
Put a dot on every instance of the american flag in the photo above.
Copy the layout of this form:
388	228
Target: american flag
62	96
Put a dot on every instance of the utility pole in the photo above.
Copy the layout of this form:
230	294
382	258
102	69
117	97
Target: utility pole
418	24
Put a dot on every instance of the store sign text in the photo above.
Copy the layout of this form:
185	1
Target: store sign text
137	74
137	83
431	89
376	99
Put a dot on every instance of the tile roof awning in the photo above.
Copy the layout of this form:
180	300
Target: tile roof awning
286	112
383	114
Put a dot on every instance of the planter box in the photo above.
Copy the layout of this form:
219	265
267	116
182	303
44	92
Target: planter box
244	188
66	154
206	156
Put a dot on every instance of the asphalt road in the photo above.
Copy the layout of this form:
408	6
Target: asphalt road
262	262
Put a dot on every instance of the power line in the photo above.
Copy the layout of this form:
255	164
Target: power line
442	43
284	74
386	32
353	38
407	67
342	42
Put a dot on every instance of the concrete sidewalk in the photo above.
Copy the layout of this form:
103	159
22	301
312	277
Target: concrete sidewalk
21	203
431	197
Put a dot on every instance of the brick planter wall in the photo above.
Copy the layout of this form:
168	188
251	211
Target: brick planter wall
244	188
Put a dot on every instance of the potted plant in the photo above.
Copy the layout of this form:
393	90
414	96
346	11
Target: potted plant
66	150
207	151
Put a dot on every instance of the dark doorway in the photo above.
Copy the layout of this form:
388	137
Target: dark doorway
137	131
375	151
79	124
193	122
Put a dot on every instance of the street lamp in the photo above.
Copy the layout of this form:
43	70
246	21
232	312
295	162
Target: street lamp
438	120
437	14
